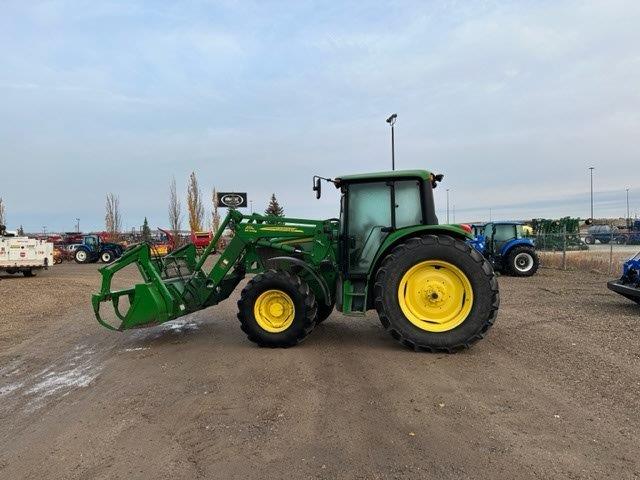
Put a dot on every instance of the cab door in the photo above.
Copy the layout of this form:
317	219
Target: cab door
368	223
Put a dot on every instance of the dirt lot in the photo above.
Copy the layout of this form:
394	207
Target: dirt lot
552	392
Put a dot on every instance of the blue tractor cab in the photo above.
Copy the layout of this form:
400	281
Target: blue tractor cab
507	247
629	284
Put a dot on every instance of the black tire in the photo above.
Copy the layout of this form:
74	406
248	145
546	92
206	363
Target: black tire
605	241
304	302
589	240
475	267
28	273
522	261
324	311
107	256
81	256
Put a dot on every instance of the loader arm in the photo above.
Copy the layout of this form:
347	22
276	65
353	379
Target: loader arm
177	283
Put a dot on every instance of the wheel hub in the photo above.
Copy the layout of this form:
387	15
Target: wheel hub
274	311
435	296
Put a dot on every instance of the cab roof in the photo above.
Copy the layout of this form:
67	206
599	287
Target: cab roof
388	175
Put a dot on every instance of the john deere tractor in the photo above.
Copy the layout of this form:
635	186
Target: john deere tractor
432	291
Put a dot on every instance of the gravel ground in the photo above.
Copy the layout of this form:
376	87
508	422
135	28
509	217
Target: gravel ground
552	392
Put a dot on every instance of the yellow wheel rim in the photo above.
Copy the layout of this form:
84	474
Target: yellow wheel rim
274	311
435	296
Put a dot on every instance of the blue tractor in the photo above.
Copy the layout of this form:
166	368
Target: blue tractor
93	249
629	284
507	247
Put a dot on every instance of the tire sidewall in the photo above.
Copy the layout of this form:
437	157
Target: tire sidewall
477	271
110	256
81	252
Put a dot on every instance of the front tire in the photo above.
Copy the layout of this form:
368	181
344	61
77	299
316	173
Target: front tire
522	262
277	309
81	256
28	273
436	293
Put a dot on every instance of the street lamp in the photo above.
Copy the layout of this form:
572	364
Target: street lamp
591	170
628	217
447	206
392	121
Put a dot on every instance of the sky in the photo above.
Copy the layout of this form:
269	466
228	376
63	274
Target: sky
511	100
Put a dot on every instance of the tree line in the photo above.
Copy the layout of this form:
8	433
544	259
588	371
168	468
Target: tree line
195	210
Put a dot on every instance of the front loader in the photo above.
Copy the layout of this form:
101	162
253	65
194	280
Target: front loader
431	290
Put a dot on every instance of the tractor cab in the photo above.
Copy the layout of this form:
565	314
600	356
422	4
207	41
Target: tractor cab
497	235
376	205
91	241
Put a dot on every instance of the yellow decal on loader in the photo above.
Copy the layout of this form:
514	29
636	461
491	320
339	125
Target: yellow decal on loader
281	229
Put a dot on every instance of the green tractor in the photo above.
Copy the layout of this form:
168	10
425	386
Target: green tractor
387	252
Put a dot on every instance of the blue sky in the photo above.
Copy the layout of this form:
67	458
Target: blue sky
512	101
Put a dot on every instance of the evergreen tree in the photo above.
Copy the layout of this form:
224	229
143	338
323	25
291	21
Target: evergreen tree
21	231
274	207
146	231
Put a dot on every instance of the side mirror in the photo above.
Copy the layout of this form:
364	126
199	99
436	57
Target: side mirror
317	186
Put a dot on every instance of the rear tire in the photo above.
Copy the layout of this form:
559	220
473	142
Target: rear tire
450	267
28	273
107	256
522	261
277	309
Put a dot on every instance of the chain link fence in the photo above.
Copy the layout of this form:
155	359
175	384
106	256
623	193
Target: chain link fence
582	251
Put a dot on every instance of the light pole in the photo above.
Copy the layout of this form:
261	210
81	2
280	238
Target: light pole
392	121
591	170
628	217
447	205
251	205
77	225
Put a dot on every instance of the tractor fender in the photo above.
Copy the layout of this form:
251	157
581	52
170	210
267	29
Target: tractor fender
399	236
326	292
506	248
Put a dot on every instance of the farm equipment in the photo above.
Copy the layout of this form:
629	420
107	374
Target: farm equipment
431	290
163	243
561	234
629	284
93	248
507	247
201	240
603	234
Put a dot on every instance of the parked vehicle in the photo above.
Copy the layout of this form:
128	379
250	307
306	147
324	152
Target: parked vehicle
93	249
628	285
432	291
603	234
19	254
507	247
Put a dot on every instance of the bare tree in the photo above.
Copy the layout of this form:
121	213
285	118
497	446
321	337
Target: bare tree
2	212
175	210
195	207
215	215
112	218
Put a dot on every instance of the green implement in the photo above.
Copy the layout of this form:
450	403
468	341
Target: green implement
387	252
